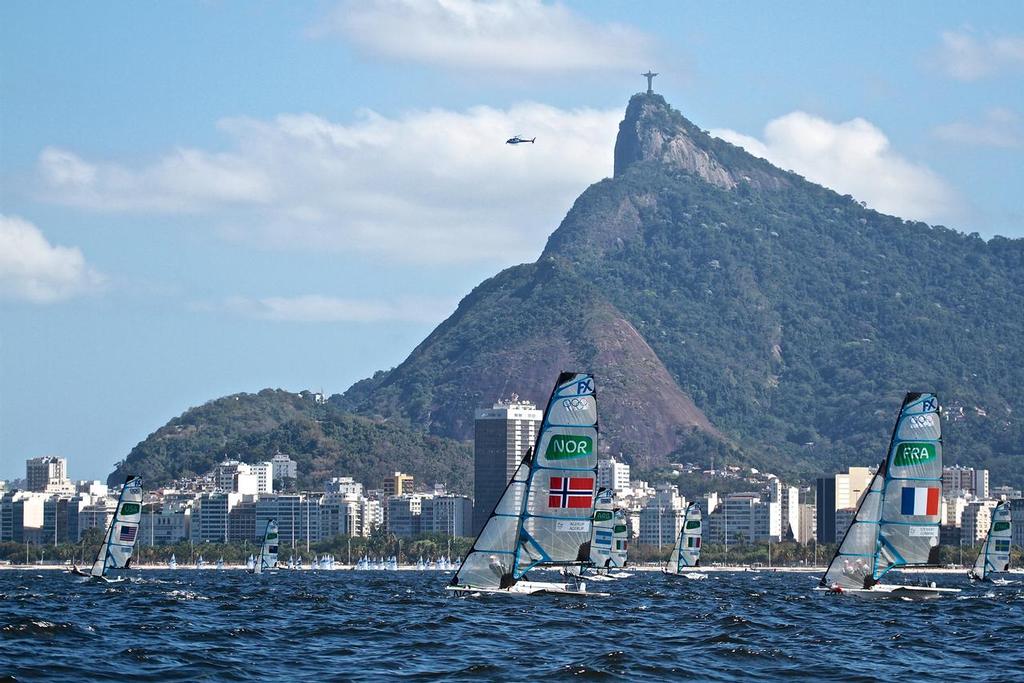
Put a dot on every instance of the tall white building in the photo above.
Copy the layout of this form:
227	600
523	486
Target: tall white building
976	520
284	467
612	475
662	517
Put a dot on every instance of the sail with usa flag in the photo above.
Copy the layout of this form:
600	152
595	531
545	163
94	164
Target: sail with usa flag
544	517
896	524
122	533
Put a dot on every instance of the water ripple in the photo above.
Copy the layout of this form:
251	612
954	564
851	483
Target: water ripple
189	625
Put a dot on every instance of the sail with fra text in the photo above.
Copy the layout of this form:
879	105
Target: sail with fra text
119	543
995	552
897	519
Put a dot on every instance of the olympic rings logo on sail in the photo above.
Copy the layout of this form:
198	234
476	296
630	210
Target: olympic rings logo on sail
576	404
921	421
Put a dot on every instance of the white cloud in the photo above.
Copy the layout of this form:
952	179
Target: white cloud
428	186
999	128
31	269
499	35
315	308
966	56
852	157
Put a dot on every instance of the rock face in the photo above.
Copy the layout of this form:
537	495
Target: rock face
652	131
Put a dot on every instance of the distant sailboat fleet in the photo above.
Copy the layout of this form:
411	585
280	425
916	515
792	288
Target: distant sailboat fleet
552	517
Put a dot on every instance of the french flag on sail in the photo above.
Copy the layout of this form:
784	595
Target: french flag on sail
920	500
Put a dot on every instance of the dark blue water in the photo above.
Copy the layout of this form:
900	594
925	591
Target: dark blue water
190	625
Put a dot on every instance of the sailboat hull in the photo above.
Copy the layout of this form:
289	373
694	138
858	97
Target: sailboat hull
895	591
528	588
693	576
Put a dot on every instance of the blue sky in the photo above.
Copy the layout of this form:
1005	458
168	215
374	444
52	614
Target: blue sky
211	197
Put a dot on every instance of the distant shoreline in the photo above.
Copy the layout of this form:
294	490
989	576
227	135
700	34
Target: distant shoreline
408	568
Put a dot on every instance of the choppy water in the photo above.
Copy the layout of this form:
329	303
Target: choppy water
341	625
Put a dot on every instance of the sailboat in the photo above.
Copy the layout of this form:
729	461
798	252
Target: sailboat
220	563
995	553
173	562
267	560
543	518
250	563
897	518
607	539
119	542
686	551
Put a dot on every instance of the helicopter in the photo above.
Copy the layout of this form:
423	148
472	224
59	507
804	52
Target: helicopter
517	140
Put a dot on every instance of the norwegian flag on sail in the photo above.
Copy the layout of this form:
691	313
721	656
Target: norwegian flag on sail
127	534
571	492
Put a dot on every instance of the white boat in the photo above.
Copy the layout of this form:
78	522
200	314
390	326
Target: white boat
267	561
897	520
686	551
250	563
543	518
994	557
220	563
123	532
173	562
200	562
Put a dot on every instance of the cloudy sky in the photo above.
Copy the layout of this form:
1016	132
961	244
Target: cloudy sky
210	197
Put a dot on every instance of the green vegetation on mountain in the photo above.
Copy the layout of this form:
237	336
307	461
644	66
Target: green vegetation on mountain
325	442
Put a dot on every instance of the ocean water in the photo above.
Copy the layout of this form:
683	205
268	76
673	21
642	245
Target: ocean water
343	625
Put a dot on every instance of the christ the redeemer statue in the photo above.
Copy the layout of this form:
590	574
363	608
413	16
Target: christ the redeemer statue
650	77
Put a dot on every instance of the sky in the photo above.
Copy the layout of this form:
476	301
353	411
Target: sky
204	198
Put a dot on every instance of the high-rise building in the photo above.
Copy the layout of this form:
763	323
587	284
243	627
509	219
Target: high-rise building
47	471
283	468
405	514
844	490
662	516
741	517
957	480
502	435
977	519
791	514
398	484
449	515
612	474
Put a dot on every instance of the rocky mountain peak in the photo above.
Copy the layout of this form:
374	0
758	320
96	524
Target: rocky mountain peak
654	131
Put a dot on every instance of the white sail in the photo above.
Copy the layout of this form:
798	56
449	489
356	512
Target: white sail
489	562
995	552
602	536
897	520
620	539
555	518
123	532
268	551
689	538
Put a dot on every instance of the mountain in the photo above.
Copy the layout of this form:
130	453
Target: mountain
727	306
729	309
324	441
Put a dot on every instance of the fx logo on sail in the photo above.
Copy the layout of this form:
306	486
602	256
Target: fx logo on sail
585	386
